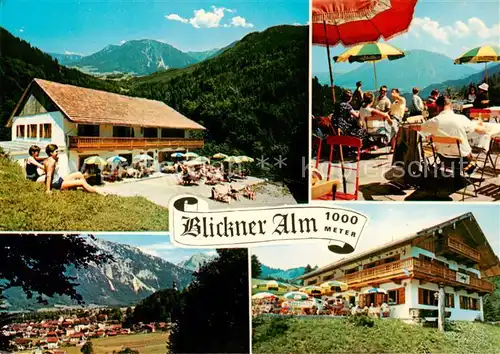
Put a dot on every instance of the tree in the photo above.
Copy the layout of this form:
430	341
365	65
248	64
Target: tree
256	267
87	348
37	263
214	308
128	351
162	306
308	269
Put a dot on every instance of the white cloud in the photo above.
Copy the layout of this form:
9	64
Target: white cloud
21	30
211	253
239	21
459	30
71	53
123	41
211	18
175	17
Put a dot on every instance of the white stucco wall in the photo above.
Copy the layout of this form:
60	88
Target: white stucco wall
457	314
56	119
401	311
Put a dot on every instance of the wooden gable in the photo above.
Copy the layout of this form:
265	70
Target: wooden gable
36	101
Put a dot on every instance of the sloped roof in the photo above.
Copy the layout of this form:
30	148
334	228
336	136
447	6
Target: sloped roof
88	106
489	264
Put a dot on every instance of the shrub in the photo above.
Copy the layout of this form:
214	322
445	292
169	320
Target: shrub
362	321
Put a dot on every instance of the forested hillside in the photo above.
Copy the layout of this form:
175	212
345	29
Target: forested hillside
252	98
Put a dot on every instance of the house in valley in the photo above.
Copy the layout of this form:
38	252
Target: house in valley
454	255
85	122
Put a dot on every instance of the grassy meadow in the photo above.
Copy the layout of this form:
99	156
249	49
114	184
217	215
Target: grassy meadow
149	343
334	335
25	207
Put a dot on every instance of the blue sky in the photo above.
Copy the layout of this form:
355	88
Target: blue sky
86	26
155	244
449	27
387	222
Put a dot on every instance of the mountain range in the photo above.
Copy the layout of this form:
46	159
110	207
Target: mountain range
136	57
419	68
131	277
196	261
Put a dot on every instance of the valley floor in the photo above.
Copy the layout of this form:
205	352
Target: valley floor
340	335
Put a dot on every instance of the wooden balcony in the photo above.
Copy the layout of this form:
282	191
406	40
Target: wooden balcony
111	143
414	268
452	247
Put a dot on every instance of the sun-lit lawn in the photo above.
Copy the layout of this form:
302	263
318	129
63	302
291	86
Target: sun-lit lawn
149	343
336	335
25	207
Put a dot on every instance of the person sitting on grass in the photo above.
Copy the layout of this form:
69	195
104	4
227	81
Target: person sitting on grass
55	181
34	169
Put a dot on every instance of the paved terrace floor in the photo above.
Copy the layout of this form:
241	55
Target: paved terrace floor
379	181
162	187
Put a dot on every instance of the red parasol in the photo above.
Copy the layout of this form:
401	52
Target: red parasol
359	21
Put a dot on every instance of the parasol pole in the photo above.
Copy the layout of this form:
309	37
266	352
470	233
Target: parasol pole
375	74
329	62
486	72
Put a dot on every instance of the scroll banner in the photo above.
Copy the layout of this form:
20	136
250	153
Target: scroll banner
192	224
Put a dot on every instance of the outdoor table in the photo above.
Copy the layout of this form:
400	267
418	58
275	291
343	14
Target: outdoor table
461	105
407	153
495	114
486	141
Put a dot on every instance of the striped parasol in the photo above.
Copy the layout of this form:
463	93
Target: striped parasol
272	285
219	155
484	54
233	159
246	159
191	154
371	52
296	295
313	290
332	284
95	160
263	295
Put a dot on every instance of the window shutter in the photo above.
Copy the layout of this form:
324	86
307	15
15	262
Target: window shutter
401	296
362	301
379	299
420	296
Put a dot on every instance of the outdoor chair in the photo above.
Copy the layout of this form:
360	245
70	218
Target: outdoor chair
445	163
339	142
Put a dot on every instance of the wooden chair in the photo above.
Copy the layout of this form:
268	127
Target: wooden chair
436	141
340	142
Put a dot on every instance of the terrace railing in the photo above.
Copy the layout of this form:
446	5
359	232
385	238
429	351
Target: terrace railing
110	143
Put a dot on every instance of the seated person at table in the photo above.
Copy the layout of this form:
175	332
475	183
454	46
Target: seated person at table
382	102
416	105
448	123
347	119
55	181
34	169
482	100
367	111
471	95
431	103
398	106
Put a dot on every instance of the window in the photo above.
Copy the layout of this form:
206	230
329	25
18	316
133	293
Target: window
20	131
469	303
350	271
311	282
396	296
150	132
427	297
88	130
172	133
449	300
46	131
123	132
32	131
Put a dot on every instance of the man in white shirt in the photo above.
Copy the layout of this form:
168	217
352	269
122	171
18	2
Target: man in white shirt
382	102
448	123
